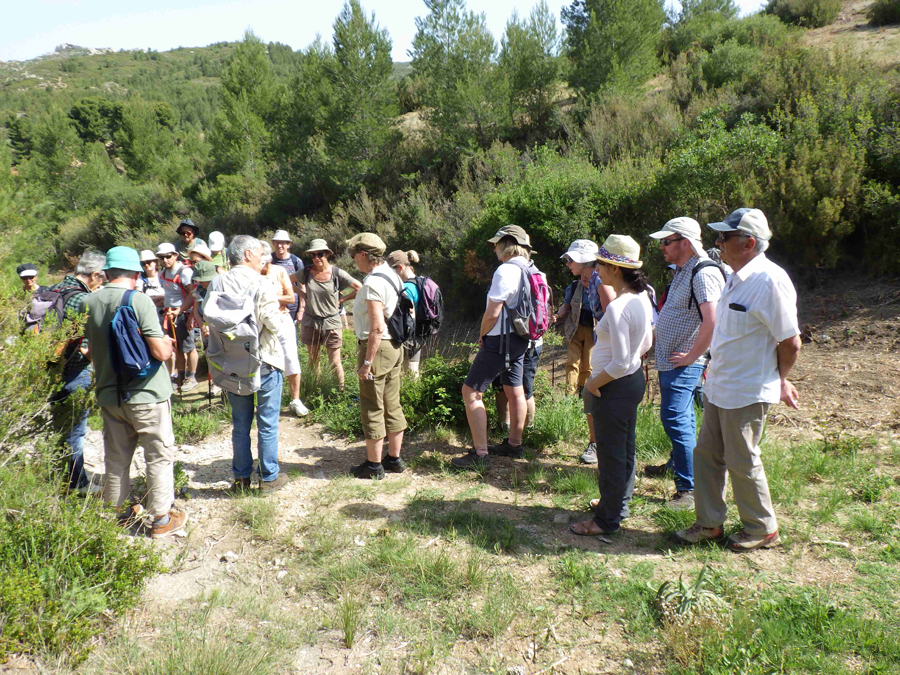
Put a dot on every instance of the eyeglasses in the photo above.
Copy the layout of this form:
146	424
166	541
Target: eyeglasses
166	257
147	262
725	236
281	243
666	242
319	254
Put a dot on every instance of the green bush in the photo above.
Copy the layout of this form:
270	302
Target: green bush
434	399
806	13
729	62
884	12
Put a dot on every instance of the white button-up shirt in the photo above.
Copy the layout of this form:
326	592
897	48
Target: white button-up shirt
757	310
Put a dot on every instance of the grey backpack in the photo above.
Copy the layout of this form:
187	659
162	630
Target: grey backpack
233	351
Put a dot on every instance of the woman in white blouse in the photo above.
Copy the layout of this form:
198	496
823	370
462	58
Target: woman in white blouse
623	336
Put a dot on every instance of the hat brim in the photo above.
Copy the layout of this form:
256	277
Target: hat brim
494	240
630	264
27	274
722	227
578	256
284	240
123	265
193	228
313	250
662	234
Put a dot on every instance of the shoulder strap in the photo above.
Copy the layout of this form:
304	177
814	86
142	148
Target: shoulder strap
699	266
389	280
335	279
297	263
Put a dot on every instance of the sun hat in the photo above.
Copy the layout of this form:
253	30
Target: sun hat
202	249
204	270
621	250
123	258
165	249
513	231
318	245
398	258
187	222
581	251
368	242
26	270
147	255
751	221
216	241
687	228
281	235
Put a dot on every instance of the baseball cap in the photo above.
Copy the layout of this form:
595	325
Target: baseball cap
687	228
216	241
165	249
26	270
582	251
513	231
281	235
751	221
368	242
123	258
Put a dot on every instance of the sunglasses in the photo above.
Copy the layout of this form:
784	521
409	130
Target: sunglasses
666	242
319	254
725	236
166	257
147	262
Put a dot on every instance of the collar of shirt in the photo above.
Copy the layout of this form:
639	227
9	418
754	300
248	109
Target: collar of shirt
748	269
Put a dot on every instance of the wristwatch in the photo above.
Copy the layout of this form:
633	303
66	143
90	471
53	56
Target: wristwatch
367	363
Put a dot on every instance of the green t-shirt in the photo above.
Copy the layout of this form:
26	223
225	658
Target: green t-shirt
100	307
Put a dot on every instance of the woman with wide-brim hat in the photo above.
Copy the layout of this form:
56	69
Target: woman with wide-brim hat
616	388
320	301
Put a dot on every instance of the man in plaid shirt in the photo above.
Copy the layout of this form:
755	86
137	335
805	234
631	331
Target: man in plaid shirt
68	418
683	335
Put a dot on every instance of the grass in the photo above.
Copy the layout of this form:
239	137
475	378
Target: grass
259	514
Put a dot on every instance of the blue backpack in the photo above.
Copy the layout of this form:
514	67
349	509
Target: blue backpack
128	350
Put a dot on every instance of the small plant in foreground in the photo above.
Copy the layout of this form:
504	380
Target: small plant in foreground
681	600
350	616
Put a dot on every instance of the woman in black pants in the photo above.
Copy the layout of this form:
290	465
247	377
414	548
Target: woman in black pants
612	395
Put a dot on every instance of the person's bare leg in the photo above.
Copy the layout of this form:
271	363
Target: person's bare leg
334	358
517	407
502	406
529	412
373	450
294	386
592	434
193	359
477	418
395	442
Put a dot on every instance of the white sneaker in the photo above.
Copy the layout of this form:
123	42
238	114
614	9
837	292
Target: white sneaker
215	390
90	490
298	408
189	384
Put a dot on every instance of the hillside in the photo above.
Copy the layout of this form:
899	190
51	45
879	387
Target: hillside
851	31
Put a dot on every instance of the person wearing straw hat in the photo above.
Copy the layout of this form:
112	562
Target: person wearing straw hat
200	252
684	330
28	275
616	388
149	282
320	298
282	256
188	238
145	418
219	252
754	346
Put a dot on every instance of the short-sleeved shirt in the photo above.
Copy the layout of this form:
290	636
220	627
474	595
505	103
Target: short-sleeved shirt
757	310
176	284
323	309
183	251
291	265
505	288
678	324
220	259
412	291
100	307
381	290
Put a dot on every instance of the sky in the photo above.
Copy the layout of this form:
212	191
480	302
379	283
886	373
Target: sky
35	27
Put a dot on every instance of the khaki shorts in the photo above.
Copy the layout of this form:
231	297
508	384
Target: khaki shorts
332	339
379	398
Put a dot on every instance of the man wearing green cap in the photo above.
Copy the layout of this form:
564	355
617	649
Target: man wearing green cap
145	418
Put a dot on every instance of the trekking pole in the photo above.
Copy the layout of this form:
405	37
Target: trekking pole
175	338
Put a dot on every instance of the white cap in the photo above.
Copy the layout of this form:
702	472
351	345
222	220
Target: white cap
281	235
202	249
216	241
751	221
582	251
687	228
147	255
165	249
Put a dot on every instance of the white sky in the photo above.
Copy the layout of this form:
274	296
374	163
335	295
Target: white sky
35	27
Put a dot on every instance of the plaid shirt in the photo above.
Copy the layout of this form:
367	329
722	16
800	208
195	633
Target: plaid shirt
678	324
75	362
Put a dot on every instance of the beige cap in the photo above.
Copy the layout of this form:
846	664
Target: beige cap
368	242
513	231
749	221
621	250
398	258
147	255
202	250
687	228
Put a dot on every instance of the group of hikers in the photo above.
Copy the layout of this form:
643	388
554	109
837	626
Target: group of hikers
728	322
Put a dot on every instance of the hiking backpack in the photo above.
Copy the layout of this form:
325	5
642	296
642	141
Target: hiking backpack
429	309
699	266
128	350
402	323
233	349
44	303
530	318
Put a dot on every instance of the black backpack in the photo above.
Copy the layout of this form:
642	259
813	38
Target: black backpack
699	266
402	323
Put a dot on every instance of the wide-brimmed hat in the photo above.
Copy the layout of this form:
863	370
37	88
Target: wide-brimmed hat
514	231
318	245
368	242
687	228
581	251
204	270
123	258
751	221
398	258
281	235
216	241
165	249
147	255
187	222
202	249
26	270
621	250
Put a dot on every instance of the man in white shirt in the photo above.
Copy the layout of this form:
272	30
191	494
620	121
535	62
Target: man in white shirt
754	346
176	280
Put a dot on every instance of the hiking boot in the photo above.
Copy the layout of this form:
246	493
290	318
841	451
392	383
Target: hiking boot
472	462
240	486
658	471
682	501
189	384
177	521
298	408
366	471
590	454
133	514
742	542
393	464
504	449
697	533
269	486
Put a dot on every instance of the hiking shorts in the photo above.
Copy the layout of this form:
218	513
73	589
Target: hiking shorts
491	362
332	339
529	370
183	336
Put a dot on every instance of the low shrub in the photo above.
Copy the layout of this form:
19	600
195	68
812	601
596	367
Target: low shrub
806	13
884	12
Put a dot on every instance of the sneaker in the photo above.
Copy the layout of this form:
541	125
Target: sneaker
742	542
269	486
472	462
189	384
298	408
177	521
682	501
393	464
366	471
90	490
658	471
133	514
590	454
240	486
215	390
697	533
504	449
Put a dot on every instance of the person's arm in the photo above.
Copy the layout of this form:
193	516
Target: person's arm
704	337
620	343
606	295
286	297
375	310
490	318
787	351
355	285
267	308
161	348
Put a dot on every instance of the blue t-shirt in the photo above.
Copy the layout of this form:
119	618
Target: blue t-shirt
412	291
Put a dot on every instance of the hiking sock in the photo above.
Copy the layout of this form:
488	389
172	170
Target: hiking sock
189	374
481	452
162	521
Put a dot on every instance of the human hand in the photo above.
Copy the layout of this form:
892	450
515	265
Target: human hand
592	387
204	331
789	395
365	372
680	360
